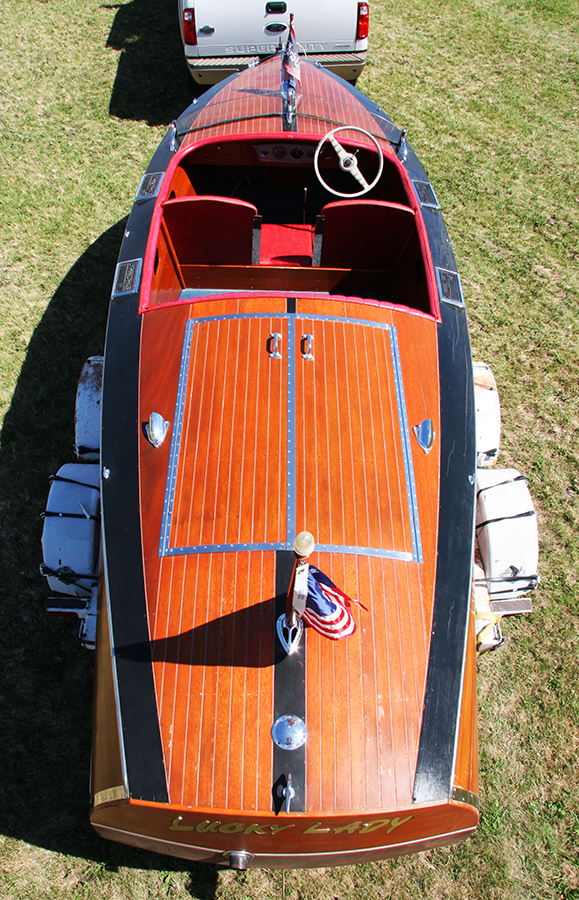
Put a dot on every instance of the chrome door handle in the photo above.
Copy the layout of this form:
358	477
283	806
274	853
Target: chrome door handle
306	346
273	345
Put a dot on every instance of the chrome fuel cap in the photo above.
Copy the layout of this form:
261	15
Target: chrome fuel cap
289	732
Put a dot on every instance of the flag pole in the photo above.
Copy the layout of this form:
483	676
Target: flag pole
290	73
303	546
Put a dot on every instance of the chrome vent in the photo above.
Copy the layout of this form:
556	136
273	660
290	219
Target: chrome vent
449	287
127	277
149	186
426	194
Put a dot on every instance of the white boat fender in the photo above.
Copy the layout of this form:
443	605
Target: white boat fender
506	532
83	514
87	410
488	415
70	536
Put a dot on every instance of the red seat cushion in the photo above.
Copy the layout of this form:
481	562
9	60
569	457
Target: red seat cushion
209	230
286	245
365	234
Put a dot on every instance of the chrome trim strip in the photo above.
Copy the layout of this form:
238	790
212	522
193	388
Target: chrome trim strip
462	796
258	547
166	550
331	855
225	548
176	439
406	450
365	551
313	317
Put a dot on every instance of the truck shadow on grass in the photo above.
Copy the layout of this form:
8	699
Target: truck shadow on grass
152	81
45	675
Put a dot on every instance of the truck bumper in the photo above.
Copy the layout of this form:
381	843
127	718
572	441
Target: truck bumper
211	69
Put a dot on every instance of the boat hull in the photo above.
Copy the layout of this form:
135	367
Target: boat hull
275	842
297	397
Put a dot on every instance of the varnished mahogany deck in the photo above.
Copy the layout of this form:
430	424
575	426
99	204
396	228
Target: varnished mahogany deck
212	613
251	105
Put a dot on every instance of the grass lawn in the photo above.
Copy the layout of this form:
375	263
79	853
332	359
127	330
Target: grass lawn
489	93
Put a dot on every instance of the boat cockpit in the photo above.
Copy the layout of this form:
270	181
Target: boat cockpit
278	216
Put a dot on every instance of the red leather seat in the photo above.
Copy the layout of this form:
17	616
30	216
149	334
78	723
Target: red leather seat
365	234
207	230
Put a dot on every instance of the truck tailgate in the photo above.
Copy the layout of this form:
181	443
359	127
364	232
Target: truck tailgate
321	26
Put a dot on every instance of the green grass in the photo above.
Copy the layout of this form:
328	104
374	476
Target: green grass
489	93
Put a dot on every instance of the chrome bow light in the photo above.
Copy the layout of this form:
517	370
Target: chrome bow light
425	434
156	429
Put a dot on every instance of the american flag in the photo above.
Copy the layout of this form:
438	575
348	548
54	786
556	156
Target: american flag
327	607
290	62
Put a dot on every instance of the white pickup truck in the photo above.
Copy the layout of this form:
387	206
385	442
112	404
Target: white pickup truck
223	36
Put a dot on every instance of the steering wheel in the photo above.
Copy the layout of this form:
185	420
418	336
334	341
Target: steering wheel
348	161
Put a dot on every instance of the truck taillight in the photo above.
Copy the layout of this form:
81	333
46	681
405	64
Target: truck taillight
189	30
363	21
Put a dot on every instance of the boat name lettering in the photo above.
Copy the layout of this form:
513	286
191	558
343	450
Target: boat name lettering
218	827
365	827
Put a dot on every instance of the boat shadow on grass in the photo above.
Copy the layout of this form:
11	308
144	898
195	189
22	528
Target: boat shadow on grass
45	675
152	82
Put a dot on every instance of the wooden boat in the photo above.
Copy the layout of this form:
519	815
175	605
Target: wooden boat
285	358
222	295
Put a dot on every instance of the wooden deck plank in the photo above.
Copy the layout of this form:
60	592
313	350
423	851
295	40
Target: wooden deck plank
218	658
270	440
395	529
361	718
419	368
466	769
350	483
182	633
264	104
212	618
374	691
195	435
233	437
225	722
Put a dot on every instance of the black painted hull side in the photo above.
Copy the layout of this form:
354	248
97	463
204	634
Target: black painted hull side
123	562
440	723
